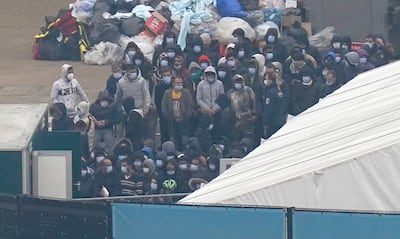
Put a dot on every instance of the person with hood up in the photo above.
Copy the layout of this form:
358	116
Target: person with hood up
208	90
134	123
68	91
60	121
364	60
278	50
273	106
352	66
194	50
169	37
172	50
346	44
203	132
243	108
177	106
160	161
306	92
122	150
149	174
251	77
129	52
195	74
84	115
107	116
134	85
330	85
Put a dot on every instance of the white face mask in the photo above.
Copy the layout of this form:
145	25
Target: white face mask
83	173
203	65
269	55
212	167
124	169
231	63
104	103
70	76
210	127
170	172
117	75
363	60
109	169
336	45
169	40
153	186
171	55
197	48
159	163
222	74
146	170
121	157
241	54
131	53
271	39
238	86
194	167
164	63
210	78
138	62
252	70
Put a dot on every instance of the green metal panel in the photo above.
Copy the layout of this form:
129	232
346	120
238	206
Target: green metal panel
63	140
11	172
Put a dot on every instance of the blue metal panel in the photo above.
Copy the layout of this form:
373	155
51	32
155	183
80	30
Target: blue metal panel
332	225
176	222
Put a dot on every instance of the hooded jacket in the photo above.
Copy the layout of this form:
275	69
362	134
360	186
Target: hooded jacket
207	92
109	114
84	115
63	122
138	89
67	91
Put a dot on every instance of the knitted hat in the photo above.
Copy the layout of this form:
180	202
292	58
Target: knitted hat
352	57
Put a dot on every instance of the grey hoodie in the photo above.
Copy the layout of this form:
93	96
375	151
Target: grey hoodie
138	89
68	92
207	92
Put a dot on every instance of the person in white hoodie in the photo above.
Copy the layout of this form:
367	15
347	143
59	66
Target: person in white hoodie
67	90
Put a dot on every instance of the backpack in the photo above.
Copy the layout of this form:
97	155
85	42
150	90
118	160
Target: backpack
63	39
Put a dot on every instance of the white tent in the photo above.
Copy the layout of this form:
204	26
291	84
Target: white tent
343	153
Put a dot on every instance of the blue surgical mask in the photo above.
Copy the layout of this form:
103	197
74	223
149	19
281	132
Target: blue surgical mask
170	172
117	75
153	186
269	55
252	70
235	39
169	40
338	59
203	65
109	169
171	55
183	166
131	53
231	63
121	157
178	67
99	159
197	48
306	79
132	75
210	127
222	74
271	38
138	62
238	86
363	60
167	80
241	54
163	63
194	167
178	87
324	73
104	103
336	45
124	169
159	163
137	164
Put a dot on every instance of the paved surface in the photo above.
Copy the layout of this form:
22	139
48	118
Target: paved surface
23	80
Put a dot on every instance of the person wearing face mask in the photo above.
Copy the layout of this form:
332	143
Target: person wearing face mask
203	132
234	64
172	50
224	75
243	108
306	92
149	177
170	179
84	115
168	38
106	180
179	70
131	182
208	90
107	117
352	66
195	73
251	77
122	150
278	50
134	85
115	76
161	86
204	62
330	85
68	91
346	44
86	186
272	104
199	173
177	106
336	42
365	65
129	52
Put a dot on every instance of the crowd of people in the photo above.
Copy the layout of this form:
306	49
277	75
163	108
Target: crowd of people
209	102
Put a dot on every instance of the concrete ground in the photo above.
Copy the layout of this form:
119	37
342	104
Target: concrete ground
22	79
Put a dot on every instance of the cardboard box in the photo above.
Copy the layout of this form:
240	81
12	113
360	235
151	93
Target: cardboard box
287	21
308	27
156	23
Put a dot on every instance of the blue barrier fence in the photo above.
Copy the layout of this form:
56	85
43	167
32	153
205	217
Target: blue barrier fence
175	222
340	225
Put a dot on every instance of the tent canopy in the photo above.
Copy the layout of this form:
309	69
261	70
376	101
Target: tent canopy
342	153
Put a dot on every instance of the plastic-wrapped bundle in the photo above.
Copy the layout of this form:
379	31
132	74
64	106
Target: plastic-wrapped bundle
322	39
103	53
227	25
